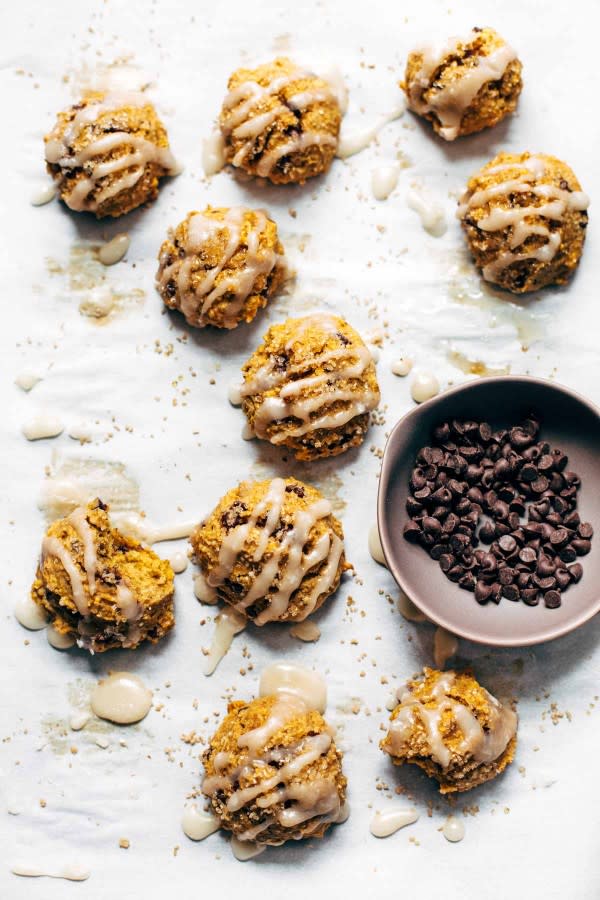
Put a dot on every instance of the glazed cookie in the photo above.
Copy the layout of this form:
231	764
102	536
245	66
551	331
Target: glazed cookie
280	122
310	387
273	772
271	549
104	589
107	154
452	728
469	84
524	217
220	266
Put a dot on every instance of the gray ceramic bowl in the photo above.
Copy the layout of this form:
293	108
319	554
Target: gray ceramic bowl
570	423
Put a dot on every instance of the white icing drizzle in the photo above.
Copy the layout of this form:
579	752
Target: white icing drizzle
445	646
360	140
27	380
430	212
138	527
321	391
122	698
77	519
375	548
453	829
114	250
69	873
285	566
408	609
198	825
402	367
306	631
79	720
196	299
213	153
203	591
43	195
313	802
98	302
129	167
245	850
424	386
483	745
234	394
30	614
43	426
241	103
52	546
58	639
555	202
228	623
178	562
384	180
450	102
388	822
290	678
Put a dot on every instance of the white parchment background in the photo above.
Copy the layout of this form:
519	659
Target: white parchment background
535	834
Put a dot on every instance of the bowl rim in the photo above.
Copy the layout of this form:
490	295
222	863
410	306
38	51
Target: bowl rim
384	479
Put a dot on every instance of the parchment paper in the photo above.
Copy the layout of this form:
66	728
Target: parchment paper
154	397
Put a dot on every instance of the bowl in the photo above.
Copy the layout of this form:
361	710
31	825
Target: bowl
568	422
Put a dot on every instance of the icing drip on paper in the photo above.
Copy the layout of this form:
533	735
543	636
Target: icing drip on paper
122	698
388	822
289	678
198	825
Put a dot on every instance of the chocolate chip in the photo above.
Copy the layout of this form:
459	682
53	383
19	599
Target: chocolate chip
552	599
545	566
413	507
446	562
568	554
455	573
520	438
452	521
540	485
559	537
500	510
442	496
423	493
581	547
545	463
575	572
507	575
412	531
528	472
563	579
507	544
511	592
544	584
527	556
482	592
487	532
431	525
585	530
530	596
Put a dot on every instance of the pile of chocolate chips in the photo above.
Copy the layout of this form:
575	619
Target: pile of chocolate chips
529	497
